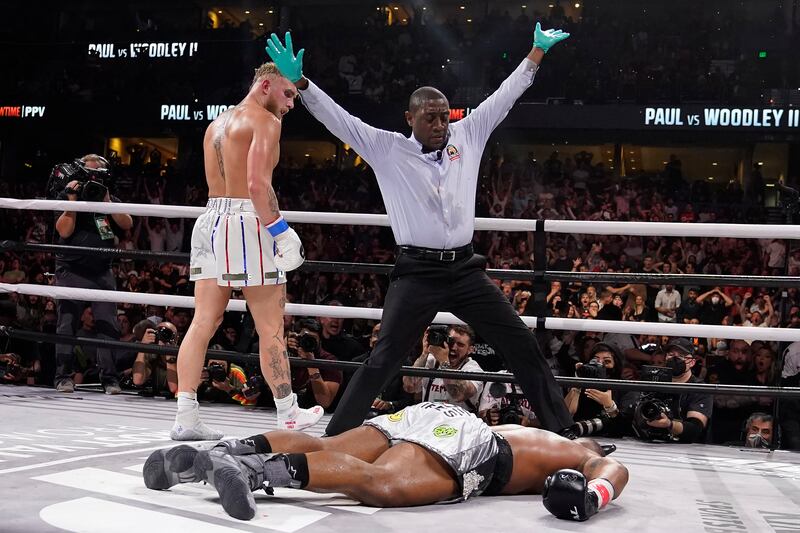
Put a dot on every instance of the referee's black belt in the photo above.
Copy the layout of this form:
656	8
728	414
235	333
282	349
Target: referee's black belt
432	254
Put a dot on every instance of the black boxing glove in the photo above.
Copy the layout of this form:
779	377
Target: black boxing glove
568	496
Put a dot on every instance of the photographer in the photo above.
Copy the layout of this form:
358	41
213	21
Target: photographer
601	411
86	179
447	349
15	368
683	417
500	404
313	386
162	368
226	382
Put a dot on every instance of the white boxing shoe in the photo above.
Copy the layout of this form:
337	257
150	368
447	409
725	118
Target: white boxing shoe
197	431
301	418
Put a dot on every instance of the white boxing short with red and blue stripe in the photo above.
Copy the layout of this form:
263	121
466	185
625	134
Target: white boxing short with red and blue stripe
231	244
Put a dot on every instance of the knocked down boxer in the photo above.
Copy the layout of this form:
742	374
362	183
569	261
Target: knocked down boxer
424	454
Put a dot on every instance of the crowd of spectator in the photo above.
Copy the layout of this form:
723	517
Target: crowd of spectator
619	53
555	188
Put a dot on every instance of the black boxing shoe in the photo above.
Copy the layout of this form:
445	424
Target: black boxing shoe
608	449
168	467
236	477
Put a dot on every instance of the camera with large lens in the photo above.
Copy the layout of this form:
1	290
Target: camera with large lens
165	335
652	405
307	342
90	186
652	408
216	372
511	413
592	369
438	336
11	368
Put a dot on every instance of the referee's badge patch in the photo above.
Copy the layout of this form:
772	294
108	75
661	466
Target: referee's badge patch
452	152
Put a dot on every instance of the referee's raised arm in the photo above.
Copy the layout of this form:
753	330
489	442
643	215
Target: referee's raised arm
428	181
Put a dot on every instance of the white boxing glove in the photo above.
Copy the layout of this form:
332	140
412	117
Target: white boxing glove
289	254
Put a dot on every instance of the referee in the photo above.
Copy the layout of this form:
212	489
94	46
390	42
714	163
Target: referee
428	182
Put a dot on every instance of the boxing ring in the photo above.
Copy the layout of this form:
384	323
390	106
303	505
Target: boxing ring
72	462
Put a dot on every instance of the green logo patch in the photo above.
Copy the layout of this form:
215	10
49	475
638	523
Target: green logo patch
444	431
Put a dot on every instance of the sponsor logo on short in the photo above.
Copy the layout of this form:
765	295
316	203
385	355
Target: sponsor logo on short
444	431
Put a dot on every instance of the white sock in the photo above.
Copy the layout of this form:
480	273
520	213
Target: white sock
188	409
286	406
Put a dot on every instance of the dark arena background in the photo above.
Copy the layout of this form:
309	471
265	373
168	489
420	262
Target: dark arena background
638	209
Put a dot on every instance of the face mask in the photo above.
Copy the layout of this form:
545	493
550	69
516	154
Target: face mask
756	440
678	366
715	300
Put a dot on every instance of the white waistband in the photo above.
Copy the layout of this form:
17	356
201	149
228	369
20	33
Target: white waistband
231	205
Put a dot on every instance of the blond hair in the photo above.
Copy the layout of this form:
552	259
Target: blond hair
267	69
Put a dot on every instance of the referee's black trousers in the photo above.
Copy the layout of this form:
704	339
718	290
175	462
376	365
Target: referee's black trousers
417	291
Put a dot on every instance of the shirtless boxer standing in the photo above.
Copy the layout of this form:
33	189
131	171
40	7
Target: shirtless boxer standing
424	454
243	241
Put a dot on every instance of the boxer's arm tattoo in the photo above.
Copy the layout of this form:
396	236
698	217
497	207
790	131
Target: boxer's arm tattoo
275	210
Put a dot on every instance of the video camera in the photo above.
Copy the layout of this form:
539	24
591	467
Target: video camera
438	336
652	405
512	412
92	182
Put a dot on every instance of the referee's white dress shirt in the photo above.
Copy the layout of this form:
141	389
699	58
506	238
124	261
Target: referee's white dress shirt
430	198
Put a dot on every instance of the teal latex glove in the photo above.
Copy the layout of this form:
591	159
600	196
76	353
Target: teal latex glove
546	39
289	65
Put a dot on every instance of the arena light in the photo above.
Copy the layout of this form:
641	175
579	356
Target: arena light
461	7
468	20
714	164
270	11
762	54
577	5
247	12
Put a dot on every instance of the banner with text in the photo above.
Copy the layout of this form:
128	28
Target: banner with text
142	50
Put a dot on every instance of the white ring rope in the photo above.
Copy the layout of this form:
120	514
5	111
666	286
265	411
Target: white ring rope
586	227
573	324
